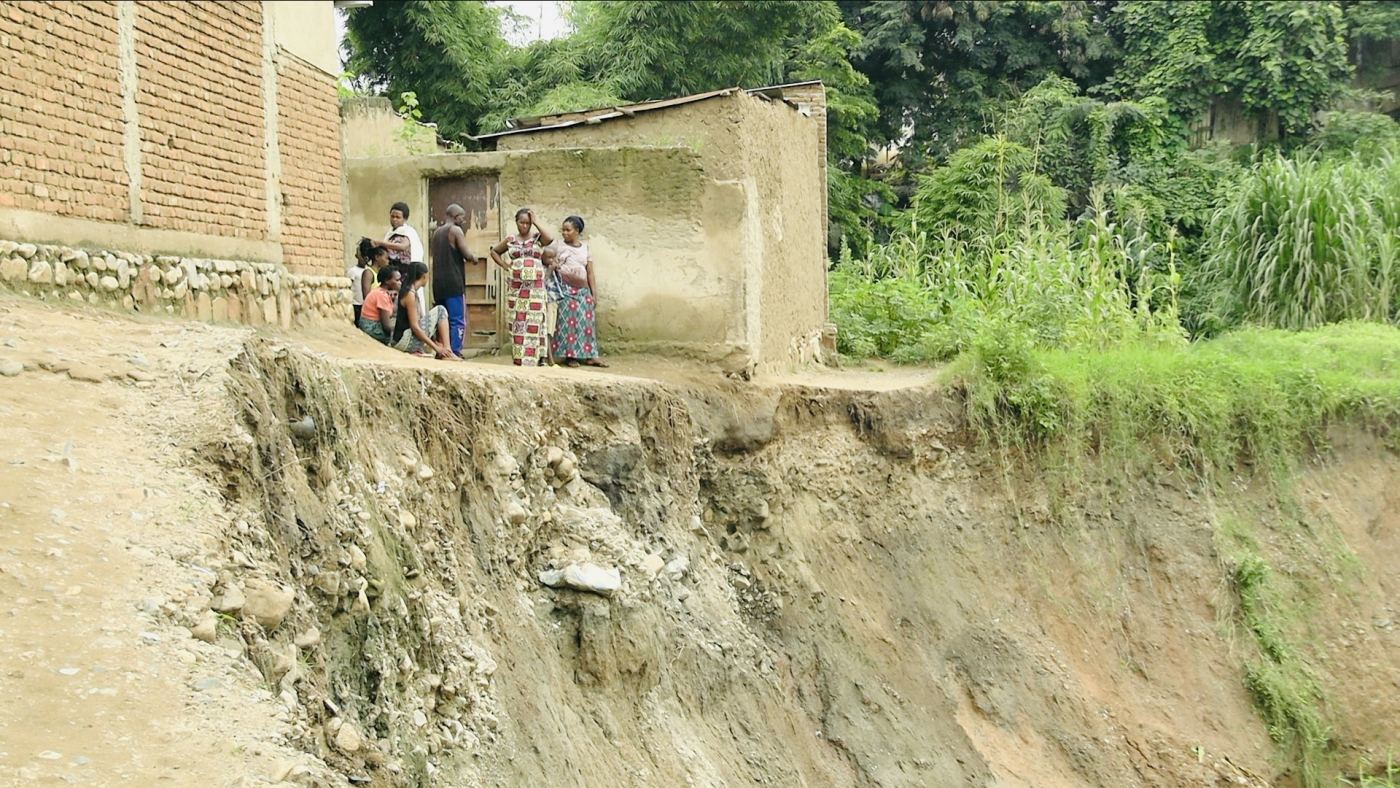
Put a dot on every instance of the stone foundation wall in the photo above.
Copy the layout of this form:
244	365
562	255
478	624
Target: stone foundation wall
233	291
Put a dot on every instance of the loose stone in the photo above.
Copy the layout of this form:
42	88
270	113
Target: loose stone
268	605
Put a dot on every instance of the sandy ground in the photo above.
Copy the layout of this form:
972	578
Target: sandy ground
102	536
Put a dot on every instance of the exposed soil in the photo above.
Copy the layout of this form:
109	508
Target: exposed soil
822	581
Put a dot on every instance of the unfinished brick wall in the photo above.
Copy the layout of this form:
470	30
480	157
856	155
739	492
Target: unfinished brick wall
308	141
200	98
61	113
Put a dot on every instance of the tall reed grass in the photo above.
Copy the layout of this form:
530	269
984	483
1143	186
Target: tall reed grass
1308	242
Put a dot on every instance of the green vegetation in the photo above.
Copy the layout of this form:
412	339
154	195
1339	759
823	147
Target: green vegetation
1308	242
1257	395
1378	776
1278	678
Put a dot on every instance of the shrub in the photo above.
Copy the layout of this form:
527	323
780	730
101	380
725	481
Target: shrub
1261	394
1348	132
987	195
926	298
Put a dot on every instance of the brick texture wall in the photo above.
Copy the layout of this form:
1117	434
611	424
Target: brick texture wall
200	100
61	110
308	143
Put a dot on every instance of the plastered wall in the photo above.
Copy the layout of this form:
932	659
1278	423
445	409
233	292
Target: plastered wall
372	129
172	128
667	239
764	158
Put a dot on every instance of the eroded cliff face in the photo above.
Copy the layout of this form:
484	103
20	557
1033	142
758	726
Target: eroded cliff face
817	587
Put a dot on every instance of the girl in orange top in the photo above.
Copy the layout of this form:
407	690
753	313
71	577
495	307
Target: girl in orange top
377	313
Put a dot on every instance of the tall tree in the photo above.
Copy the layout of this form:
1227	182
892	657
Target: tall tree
447	53
651	49
1283	60
939	69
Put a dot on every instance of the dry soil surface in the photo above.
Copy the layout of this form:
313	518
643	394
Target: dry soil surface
102	531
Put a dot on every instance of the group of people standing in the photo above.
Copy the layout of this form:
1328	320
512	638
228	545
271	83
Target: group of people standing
550	304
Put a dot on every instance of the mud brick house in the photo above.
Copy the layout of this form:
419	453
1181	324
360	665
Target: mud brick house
706	215
173	157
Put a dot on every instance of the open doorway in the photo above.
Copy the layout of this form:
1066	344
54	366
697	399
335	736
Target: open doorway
479	195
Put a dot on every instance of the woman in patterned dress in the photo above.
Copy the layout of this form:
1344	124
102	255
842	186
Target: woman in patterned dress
526	297
576	337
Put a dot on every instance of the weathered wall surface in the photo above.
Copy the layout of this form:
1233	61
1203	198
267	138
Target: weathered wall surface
372	185
783	161
155	129
766	155
308	140
812	99
371	128
200	97
61	157
663	236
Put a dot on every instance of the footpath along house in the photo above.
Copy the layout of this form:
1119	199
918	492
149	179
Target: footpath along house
706	215
173	157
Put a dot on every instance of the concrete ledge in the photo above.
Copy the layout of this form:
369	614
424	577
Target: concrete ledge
38	227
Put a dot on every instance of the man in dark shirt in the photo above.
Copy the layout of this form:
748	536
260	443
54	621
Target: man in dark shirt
450	256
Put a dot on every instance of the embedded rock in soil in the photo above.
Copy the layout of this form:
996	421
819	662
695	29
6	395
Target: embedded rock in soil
347	739
268	604
584	577
231	601
205	628
652	565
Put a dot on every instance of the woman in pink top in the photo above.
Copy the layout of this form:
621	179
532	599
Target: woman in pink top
576	337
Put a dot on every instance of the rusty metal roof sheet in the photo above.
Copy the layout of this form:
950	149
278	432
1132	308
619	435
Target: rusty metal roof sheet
562	120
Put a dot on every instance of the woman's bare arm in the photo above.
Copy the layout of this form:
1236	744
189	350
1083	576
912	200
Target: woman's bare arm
366	282
386	321
413	320
588	269
398	243
496	252
545	238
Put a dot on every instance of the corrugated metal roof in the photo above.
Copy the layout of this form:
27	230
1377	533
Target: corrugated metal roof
563	120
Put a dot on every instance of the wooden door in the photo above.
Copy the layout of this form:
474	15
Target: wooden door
480	198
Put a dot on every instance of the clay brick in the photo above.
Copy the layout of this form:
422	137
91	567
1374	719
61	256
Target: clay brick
198	72
49	98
